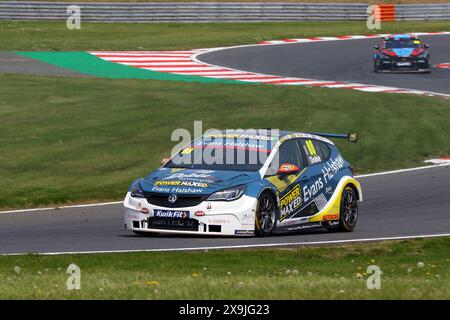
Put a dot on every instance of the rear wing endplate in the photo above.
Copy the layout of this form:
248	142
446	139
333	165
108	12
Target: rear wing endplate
351	137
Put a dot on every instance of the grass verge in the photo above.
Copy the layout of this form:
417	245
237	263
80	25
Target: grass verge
66	140
415	269
54	36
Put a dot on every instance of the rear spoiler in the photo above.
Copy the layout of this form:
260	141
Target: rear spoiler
351	137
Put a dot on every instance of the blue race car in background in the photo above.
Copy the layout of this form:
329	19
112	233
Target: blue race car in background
260	183
402	52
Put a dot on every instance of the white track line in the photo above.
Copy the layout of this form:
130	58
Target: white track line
118	202
267	245
401	170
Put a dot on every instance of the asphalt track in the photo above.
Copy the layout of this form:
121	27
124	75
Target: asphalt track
401	204
346	61
13	63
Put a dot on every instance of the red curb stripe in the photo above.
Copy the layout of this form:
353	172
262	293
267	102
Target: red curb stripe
255	78
174	66
192	71
145	56
322	84
149	60
289	81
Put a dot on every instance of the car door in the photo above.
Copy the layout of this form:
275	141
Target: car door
313	185
289	187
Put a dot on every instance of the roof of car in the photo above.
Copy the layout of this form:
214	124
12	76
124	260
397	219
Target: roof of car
276	134
401	36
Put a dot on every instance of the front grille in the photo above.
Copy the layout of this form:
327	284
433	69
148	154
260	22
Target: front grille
161	200
173	224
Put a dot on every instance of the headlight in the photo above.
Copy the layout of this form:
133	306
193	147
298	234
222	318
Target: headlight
228	194
136	190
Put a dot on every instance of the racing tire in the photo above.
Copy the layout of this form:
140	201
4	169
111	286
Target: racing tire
266	215
375	67
348	214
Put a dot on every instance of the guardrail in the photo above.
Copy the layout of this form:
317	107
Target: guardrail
216	12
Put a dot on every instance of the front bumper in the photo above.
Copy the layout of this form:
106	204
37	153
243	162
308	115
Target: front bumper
229	218
403	64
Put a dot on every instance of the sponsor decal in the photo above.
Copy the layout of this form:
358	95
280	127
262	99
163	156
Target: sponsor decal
198	176
290	202
313	157
176	190
309	191
248	232
181	183
289	222
218	221
178	214
133	217
332	167
288	166
238	145
331	217
199	213
145	210
241	136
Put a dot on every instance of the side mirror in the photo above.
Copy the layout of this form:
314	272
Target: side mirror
164	161
288	168
376	47
426	46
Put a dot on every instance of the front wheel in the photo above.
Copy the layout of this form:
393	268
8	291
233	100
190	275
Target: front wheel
265	216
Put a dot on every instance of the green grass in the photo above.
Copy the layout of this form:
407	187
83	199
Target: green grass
66	140
416	269
54	36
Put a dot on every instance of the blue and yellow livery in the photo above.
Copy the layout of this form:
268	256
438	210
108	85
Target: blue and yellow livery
245	183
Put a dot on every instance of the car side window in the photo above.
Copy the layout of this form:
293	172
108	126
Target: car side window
325	150
315	150
288	153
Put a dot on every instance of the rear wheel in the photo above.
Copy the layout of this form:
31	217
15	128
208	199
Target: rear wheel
375	67
265	217
348	211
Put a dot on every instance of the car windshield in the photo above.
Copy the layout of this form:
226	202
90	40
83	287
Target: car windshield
224	152
402	43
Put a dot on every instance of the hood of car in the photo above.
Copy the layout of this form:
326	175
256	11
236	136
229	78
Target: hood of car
195	181
403	52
